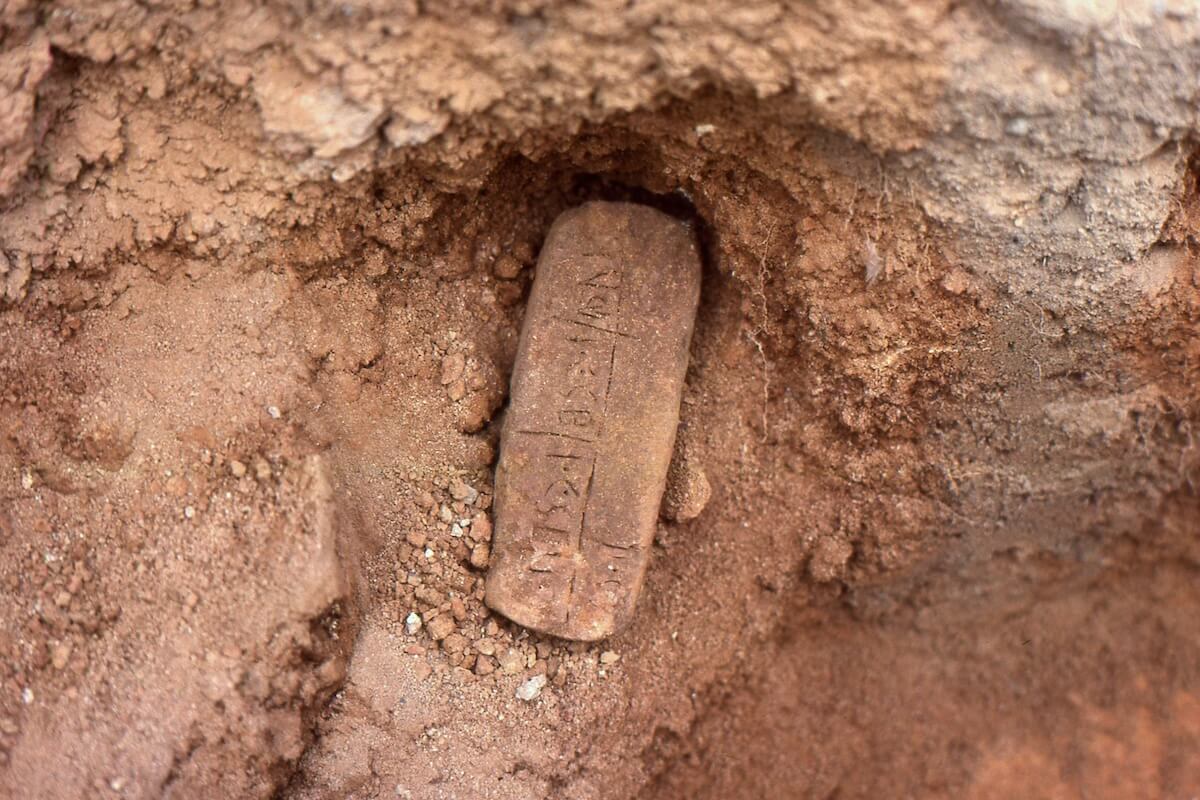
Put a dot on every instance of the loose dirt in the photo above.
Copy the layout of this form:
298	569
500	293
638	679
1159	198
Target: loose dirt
932	528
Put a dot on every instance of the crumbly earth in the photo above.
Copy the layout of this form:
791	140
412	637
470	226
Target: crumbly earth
935	527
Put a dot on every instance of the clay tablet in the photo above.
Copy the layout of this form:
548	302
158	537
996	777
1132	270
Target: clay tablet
594	404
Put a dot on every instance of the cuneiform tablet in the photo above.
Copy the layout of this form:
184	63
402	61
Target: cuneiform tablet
594	403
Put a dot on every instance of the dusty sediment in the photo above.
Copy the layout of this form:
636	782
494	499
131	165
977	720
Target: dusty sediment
263	276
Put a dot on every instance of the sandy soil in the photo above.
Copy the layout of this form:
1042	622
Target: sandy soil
933	527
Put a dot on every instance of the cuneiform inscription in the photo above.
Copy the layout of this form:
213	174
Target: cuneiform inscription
590	332
585	385
594	403
568	479
587	371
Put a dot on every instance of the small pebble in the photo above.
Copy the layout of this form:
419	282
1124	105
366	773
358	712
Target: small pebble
481	528
463	492
829	559
441	627
452	368
1018	126
530	689
506	267
484	665
412	623
273	412
480	555
61	655
511	661
609	657
415	538
237	468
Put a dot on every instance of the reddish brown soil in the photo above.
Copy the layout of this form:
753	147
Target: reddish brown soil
262	277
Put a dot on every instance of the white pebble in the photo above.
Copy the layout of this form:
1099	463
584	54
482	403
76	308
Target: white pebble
530	689
412	623
273	411
1018	126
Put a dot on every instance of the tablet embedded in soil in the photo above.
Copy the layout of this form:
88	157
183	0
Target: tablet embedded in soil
594	405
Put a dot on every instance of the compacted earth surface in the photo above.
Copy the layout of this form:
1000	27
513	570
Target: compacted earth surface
932	526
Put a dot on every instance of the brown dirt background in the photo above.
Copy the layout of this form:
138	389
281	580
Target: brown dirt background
262	269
